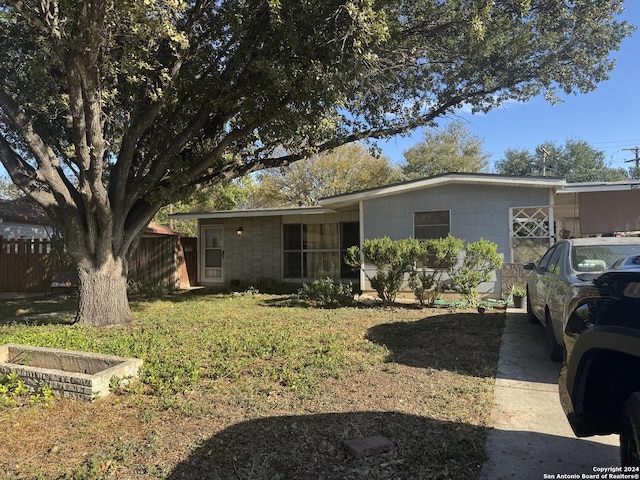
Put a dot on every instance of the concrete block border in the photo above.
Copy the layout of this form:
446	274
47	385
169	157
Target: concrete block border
74	374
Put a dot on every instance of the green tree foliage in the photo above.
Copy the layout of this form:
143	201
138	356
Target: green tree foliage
453	149
8	191
342	170
480	260
577	161
111	110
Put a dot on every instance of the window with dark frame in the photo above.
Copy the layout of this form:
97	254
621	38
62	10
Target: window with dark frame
431	225
317	250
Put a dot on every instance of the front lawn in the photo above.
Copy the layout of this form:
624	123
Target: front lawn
257	387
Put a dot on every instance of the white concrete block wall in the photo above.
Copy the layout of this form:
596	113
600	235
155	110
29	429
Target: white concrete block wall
476	211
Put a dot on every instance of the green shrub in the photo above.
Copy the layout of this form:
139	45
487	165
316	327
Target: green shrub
481	258
392	259
138	288
15	392
327	293
434	258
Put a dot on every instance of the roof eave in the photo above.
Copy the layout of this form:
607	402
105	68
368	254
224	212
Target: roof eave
266	212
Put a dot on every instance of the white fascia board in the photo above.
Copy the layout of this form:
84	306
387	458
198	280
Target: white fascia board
264	212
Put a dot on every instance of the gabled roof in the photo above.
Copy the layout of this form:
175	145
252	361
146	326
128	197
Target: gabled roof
329	204
439	180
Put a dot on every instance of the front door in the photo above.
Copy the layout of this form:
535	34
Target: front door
212	254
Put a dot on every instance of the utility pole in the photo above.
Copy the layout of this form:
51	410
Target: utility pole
636	150
545	154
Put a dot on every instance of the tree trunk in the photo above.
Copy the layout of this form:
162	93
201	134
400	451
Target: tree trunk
103	293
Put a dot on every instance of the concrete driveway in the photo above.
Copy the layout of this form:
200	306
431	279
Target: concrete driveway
531	438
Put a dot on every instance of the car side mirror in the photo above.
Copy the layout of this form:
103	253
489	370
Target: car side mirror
529	266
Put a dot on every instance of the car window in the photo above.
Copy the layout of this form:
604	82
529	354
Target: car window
555	260
544	261
596	258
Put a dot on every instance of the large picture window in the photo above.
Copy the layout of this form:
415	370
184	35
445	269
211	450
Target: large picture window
431	225
315	250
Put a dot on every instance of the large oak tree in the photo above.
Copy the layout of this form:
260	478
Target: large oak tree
111	109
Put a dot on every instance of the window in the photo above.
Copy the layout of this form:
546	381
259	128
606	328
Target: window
316	250
431	225
554	261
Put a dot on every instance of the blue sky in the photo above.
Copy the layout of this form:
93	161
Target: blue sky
607	118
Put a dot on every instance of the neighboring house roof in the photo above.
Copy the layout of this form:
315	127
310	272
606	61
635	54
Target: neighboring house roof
157	229
22	210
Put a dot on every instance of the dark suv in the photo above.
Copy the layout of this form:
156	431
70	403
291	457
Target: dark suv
599	383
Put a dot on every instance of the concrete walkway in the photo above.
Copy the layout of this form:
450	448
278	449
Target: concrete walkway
531	435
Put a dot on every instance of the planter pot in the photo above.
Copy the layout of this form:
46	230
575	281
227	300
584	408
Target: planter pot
517	301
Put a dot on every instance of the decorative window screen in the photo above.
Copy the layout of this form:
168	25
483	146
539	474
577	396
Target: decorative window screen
532	232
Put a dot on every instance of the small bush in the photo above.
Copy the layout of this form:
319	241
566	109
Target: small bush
14	392
327	294
435	257
392	259
137	288
480	260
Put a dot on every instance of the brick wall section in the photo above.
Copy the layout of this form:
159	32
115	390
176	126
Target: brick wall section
257	253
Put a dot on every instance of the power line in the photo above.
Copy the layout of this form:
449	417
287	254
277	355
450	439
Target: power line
636	150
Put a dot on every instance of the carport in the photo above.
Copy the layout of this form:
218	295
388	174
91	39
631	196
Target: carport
598	208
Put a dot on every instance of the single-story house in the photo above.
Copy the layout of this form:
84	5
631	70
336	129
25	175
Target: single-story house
305	243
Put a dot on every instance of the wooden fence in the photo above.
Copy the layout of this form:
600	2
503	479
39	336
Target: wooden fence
28	265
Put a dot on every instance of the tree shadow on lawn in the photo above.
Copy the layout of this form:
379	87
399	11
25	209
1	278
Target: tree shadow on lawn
311	447
464	342
38	320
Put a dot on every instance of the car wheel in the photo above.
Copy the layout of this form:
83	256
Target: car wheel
630	432
530	316
555	350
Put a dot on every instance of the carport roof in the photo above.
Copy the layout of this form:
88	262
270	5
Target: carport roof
585	187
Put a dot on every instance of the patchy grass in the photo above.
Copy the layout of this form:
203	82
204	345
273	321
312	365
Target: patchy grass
258	387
